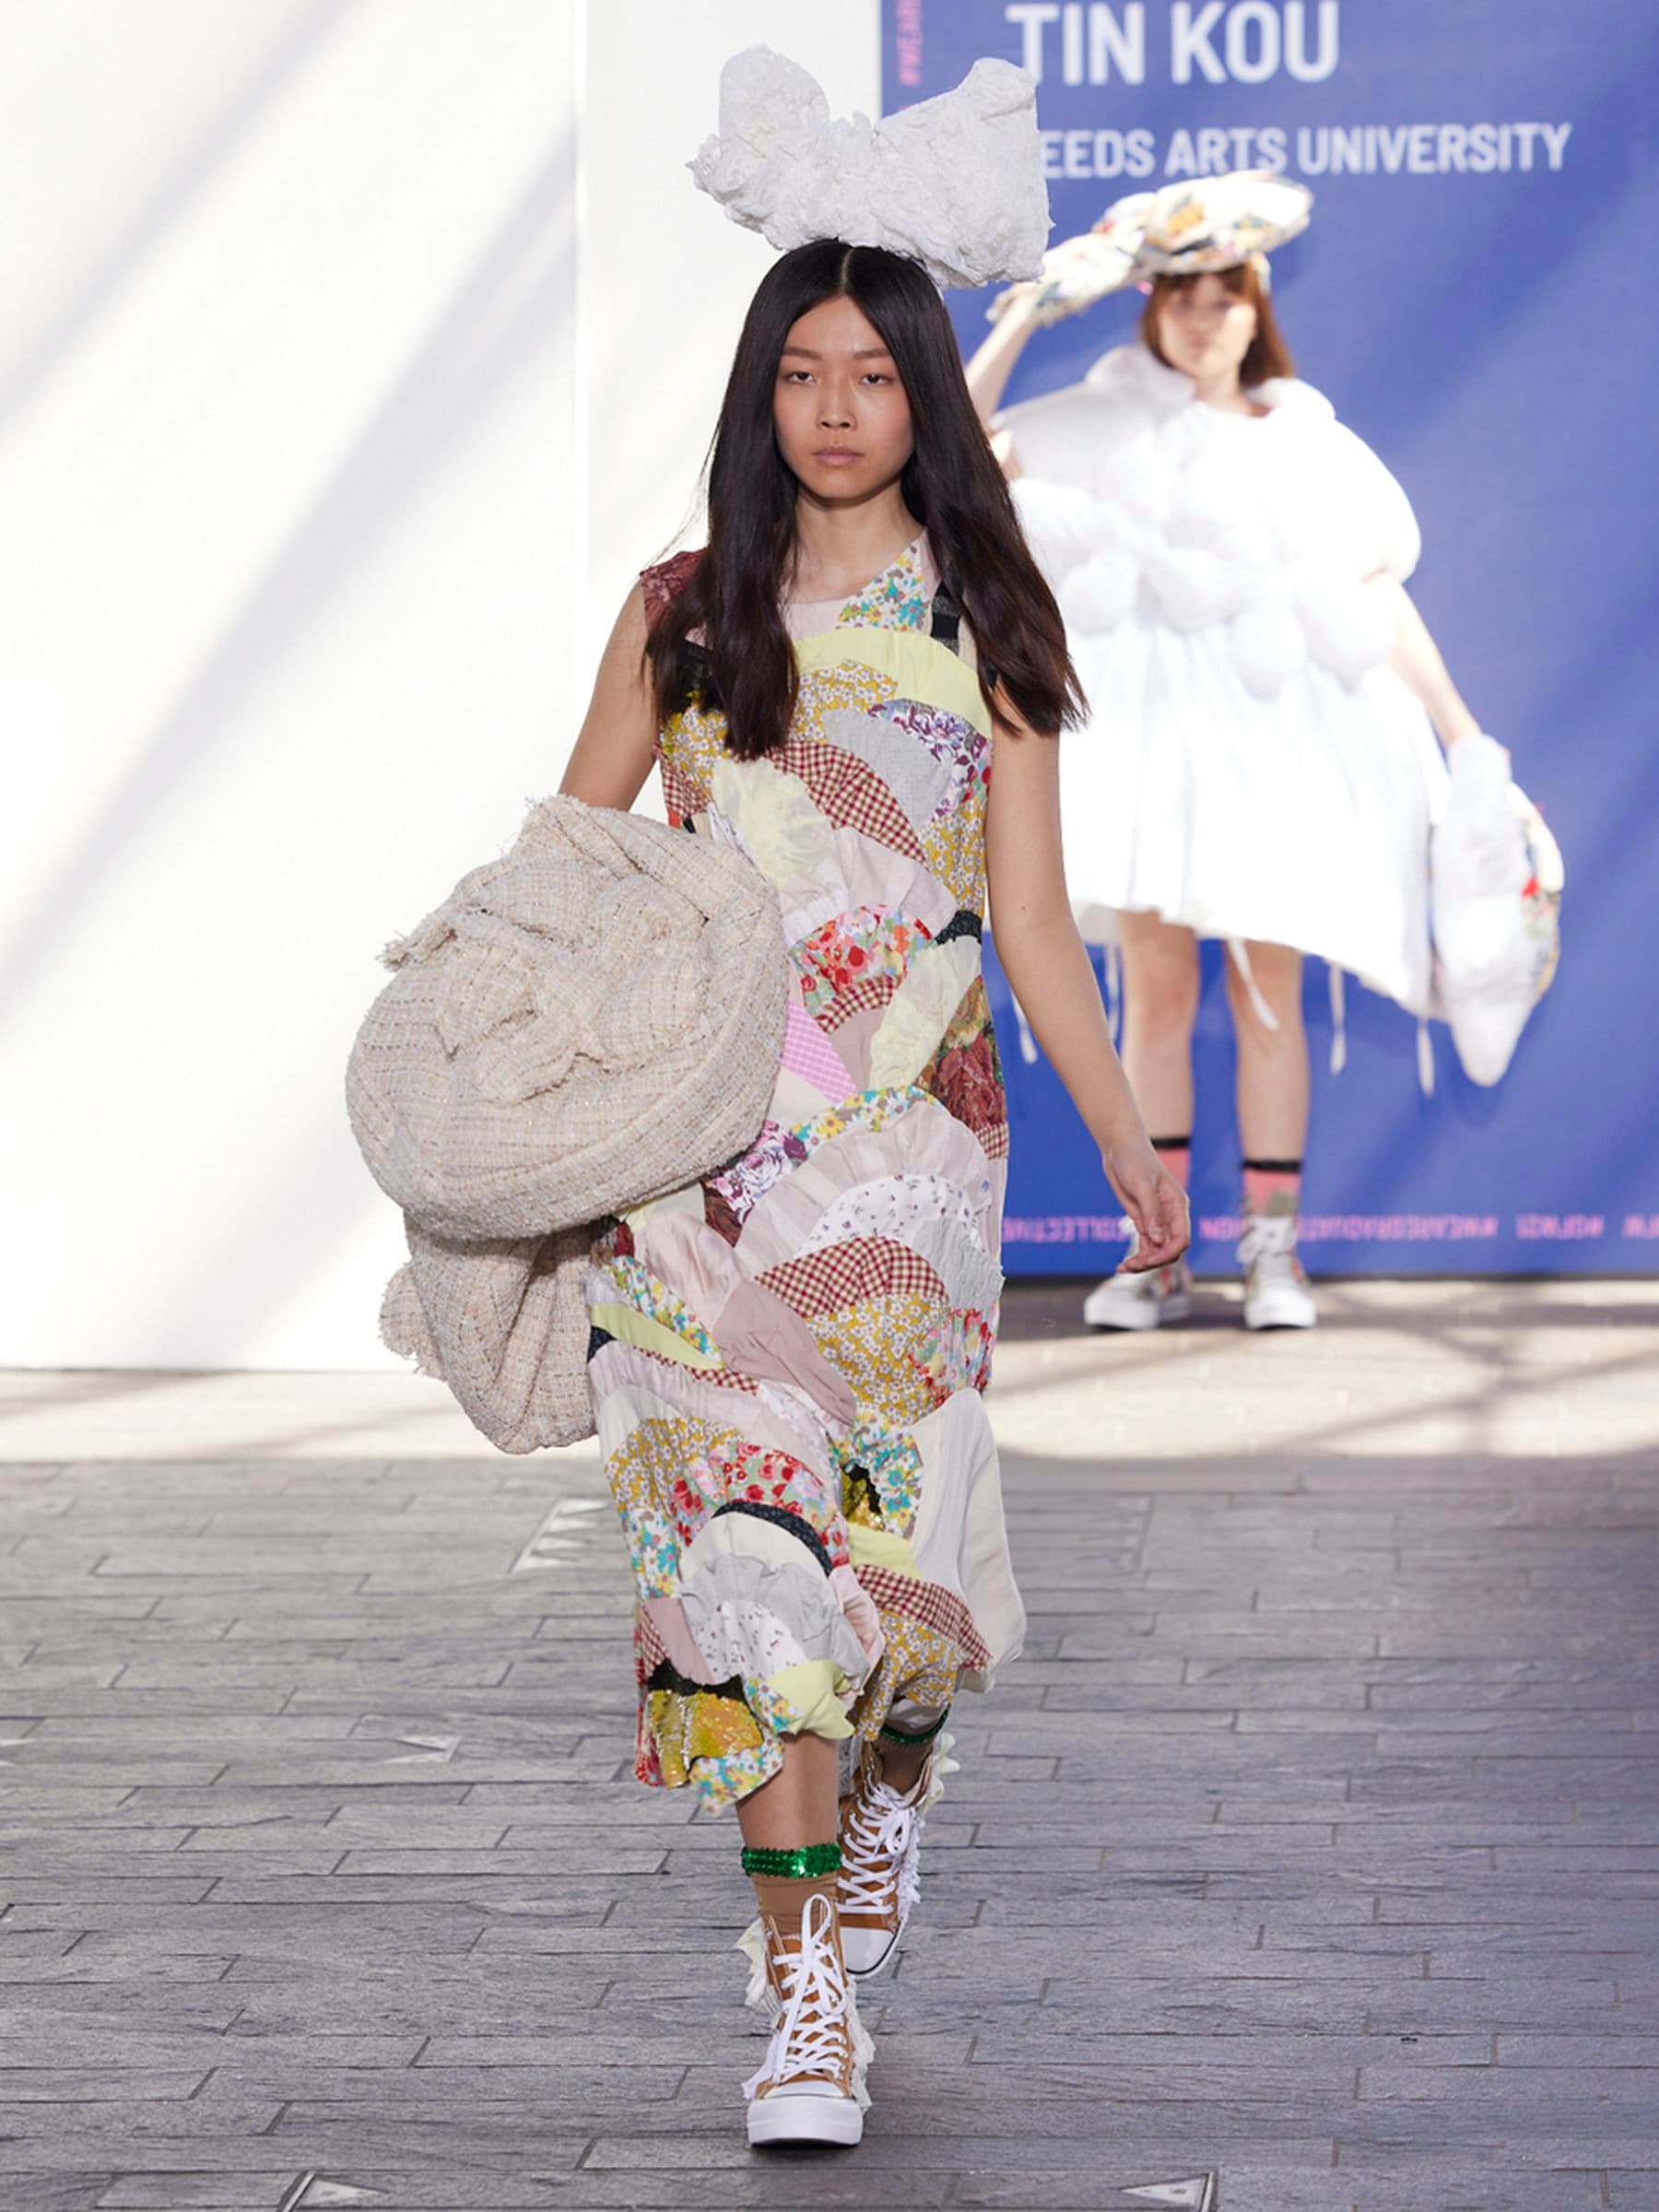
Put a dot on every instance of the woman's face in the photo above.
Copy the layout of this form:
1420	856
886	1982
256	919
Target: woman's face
1204	330
842	419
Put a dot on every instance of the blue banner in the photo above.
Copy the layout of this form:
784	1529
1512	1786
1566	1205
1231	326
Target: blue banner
1477	297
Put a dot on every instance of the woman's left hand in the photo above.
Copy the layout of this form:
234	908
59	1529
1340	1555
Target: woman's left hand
1154	1202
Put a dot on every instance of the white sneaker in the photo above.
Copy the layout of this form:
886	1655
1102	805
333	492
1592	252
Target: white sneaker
811	2089
1140	1301
880	1868
1275	1290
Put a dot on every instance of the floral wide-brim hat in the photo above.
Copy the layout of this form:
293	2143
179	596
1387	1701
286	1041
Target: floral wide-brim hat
1206	223
1213	223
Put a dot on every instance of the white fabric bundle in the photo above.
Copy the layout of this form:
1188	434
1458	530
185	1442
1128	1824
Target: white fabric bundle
1497	882
956	182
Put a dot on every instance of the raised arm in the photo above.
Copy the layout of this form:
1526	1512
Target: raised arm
1049	972
1415	659
616	741
989	371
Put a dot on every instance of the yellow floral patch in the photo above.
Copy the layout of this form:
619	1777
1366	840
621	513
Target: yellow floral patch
919	1662
647	1470
954	851
882	1346
838	684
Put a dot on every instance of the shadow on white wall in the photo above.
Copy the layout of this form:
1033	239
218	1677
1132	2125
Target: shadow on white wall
330	437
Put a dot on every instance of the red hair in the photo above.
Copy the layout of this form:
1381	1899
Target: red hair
1269	356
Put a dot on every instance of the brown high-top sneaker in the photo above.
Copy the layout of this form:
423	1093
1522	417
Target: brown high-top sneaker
881	1847
811	2089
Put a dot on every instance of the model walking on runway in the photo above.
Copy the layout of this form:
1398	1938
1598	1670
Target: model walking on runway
1258	762
858	681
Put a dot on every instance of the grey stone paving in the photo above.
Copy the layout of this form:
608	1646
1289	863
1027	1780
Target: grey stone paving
1314	1843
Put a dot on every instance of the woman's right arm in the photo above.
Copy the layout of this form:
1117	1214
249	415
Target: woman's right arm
616	742
1415	659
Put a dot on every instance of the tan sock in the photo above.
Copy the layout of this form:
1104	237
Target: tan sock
782	1899
901	1762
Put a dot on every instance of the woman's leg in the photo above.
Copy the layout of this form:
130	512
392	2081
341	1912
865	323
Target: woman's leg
1273	1088
1160	1002
1273	1063
790	1824
810	2088
797	1805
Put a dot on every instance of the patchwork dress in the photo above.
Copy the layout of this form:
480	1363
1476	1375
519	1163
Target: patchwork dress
787	1359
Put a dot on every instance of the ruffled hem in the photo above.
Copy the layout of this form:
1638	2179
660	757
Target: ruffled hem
725	1739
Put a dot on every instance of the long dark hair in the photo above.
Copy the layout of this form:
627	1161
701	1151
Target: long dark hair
951	484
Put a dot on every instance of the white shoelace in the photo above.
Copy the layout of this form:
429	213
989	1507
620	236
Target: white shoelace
811	2038
879	1871
1267	1247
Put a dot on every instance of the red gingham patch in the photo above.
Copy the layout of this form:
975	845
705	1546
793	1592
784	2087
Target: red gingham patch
846	1273
648	1650
929	1602
850	791
681	796
869	990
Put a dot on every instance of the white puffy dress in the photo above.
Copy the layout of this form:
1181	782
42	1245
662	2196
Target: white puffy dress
1250	766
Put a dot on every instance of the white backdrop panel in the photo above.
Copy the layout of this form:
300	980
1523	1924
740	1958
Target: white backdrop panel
353	355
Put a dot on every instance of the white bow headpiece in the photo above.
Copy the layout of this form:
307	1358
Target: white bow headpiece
956	182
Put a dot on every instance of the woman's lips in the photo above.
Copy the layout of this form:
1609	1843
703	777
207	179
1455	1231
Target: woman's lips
836	456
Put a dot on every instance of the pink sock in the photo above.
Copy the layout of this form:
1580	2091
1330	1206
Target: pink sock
1272	1187
1176	1154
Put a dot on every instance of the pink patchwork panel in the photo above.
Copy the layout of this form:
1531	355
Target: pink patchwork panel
811	1055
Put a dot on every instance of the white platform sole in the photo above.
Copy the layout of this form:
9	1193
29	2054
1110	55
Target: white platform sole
782	2118
867	1950
1282	1309
1111	1305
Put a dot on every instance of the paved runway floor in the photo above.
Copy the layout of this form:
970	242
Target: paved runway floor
1314	1845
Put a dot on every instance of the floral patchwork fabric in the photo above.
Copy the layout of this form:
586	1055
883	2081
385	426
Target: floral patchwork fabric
788	1359
898	598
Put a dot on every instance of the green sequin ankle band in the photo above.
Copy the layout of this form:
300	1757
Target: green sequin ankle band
914	1736
811	1862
